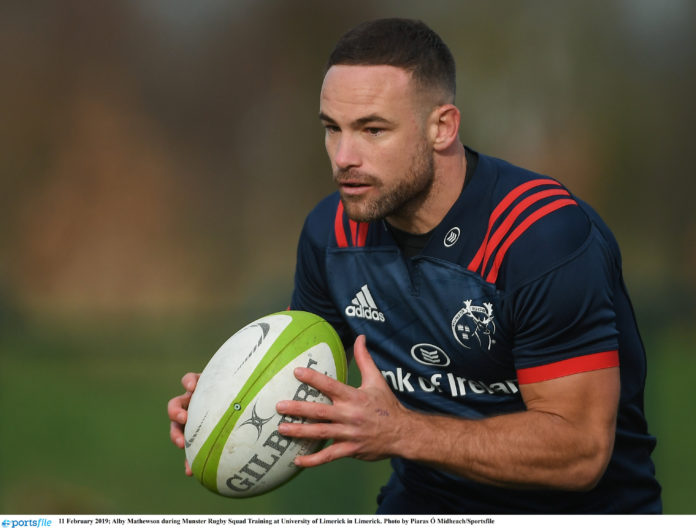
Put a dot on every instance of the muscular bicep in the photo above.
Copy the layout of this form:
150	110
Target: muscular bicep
586	402
563	440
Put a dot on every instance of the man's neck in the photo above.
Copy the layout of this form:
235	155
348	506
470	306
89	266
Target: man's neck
448	182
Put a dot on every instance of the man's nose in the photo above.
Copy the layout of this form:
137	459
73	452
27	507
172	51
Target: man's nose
347	154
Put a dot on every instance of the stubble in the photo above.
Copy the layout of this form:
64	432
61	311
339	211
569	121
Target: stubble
402	198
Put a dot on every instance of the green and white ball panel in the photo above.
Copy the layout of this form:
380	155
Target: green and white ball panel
232	443
255	439
225	374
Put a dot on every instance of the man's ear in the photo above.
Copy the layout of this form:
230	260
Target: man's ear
444	127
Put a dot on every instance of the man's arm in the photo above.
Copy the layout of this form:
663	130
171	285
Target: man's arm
563	440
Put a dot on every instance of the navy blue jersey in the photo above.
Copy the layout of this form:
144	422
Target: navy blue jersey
521	282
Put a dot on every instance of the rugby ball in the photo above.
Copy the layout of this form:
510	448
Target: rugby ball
232	440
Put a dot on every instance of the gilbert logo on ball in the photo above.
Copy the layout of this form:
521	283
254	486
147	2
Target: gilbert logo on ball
232	440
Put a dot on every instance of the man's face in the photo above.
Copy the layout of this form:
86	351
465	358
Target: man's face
375	138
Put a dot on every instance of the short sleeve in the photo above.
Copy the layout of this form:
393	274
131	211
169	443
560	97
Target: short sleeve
565	322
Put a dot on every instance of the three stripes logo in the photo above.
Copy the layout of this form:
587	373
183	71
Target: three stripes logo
363	306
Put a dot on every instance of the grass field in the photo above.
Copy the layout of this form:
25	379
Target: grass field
84	430
84	427
671	411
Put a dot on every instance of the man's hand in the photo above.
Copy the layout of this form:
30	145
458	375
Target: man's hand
364	423
177	411
563	440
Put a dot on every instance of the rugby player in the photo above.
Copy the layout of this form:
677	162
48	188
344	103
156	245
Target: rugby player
502	368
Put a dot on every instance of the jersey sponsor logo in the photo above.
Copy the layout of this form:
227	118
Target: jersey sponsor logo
448	383
452	236
474	325
363	306
431	355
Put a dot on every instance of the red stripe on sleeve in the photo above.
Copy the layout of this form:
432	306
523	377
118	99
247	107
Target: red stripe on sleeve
566	367
339	230
536	215
504	204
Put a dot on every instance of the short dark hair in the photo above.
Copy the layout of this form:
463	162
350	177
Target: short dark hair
400	42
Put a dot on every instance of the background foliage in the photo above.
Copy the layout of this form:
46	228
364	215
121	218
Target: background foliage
157	159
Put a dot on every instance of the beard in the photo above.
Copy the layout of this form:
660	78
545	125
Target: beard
399	198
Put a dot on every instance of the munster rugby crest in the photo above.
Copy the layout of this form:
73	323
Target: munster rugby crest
474	325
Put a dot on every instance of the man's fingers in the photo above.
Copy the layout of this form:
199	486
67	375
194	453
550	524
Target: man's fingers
315	431
368	370
177	412
328	386
328	454
176	408
319	412
190	380
176	434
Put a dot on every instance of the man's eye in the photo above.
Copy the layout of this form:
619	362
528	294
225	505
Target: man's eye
331	129
374	131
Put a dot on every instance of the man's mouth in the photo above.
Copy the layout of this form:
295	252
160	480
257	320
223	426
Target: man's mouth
354	183
353	187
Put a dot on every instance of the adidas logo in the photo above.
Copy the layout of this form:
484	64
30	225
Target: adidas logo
363	306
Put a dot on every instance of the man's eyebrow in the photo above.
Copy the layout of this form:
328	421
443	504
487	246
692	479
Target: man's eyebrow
324	117
372	118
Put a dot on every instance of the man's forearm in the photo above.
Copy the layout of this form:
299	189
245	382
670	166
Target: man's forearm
563	439
526	449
